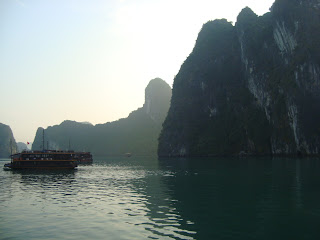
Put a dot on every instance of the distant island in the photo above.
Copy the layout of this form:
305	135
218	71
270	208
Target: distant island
137	134
7	141
250	89
22	146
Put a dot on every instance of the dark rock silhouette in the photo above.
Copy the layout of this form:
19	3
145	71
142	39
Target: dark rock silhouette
252	88
137	134
7	141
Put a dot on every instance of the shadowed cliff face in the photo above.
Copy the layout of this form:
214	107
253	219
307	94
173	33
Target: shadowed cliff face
137	134
7	141
252	88
157	100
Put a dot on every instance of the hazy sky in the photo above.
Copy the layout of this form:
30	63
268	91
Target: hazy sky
90	60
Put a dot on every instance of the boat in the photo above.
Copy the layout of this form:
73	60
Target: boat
84	157
7	166
43	159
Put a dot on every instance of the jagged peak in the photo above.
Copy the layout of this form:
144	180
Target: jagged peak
155	87
67	122
247	12
72	122
40	129
157	95
212	30
288	3
157	82
214	25
284	8
246	16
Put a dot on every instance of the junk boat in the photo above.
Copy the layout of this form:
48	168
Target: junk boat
43	159
84	157
48	159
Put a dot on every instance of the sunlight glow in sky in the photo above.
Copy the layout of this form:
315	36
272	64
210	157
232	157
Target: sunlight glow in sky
91	60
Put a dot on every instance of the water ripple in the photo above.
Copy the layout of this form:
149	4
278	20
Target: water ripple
124	200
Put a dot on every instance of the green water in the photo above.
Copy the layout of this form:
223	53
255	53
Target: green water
148	198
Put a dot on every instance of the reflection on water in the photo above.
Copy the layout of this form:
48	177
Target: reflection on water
143	198
249	198
115	199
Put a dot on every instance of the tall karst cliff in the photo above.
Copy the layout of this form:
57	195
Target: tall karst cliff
252	88
7	142
137	134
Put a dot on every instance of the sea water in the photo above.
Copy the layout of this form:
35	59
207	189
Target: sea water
151	198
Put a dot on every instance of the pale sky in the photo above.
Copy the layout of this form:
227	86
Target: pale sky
90	60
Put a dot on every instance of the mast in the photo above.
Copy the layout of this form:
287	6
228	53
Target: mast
43	140
11	149
10	146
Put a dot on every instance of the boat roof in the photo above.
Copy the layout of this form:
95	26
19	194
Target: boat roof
44	152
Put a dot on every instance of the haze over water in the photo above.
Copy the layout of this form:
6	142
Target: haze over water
147	198
90	61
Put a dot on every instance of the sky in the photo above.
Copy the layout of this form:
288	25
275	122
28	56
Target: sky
91	60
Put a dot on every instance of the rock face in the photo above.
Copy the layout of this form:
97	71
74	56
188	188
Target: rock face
252	88
21	146
157	100
7	141
137	134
